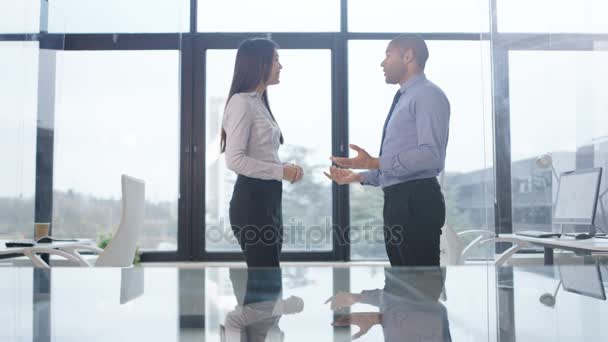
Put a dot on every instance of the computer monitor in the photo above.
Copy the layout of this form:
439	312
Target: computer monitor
585	280
577	197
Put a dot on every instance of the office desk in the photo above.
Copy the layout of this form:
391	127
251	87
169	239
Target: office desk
39	248
589	246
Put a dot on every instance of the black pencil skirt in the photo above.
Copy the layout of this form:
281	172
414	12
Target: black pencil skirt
257	220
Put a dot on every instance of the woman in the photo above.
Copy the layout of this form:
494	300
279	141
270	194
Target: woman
260	305
251	138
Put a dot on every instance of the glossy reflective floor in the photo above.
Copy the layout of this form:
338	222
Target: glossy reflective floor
468	303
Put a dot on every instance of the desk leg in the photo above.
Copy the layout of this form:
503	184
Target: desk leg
548	256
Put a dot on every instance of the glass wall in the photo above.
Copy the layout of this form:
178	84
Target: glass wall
558	110
557	72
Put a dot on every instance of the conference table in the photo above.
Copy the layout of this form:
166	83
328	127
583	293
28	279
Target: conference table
298	303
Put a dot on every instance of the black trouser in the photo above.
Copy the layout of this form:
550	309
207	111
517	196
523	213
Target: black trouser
414	213
257	220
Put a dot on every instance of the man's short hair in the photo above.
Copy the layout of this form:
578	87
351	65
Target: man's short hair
414	42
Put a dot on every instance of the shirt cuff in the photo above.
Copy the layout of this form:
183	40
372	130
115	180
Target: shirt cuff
364	178
371	297
277	173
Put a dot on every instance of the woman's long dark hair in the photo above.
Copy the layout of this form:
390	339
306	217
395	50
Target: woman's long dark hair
252	67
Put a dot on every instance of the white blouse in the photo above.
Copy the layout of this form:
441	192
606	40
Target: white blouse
252	138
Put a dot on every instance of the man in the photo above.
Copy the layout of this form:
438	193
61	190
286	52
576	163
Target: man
409	307
412	154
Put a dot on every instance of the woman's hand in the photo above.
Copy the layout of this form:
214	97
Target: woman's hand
292	173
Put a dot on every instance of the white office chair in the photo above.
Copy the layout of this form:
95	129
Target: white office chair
121	249
454	252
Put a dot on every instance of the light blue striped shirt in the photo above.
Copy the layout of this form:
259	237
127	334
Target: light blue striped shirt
416	136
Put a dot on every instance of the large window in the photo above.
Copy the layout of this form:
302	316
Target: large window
116	16
117	112
19	16
18	105
462	70
418	16
552	16
268	16
95	114
301	104
558	108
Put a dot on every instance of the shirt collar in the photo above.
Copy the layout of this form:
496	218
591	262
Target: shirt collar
417	78
255	94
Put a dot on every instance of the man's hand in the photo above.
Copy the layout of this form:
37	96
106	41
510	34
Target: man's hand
343	300
362	161
343	176
364	320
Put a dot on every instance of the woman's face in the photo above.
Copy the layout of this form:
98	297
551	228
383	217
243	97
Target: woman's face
275	71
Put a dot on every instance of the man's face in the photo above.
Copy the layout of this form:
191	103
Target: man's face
394	65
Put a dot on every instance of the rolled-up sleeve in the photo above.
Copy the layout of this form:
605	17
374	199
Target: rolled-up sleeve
237	124
432	112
